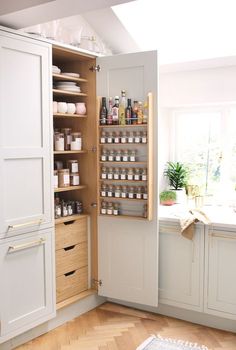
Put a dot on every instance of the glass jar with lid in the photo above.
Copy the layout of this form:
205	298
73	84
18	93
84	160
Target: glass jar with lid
123	174
132	155
117	137
74	179
104	171
110	191
137	137
125	156
116	174
144	137
145	193
124	192
59	141
103	191
123	138
110	173
130	174
116	209
110	137
58	164
64	178
67	137
136	174
118	156
103	138
130	137
139	192
76	141
64	210
104	208
131	194
104	155
73	165
144	174
117	191
111	155
79	207
110	208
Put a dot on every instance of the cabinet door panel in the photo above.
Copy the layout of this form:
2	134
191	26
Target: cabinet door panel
128	248
221	272
26	295
25	135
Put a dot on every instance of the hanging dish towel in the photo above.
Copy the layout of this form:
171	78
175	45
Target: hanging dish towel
187	223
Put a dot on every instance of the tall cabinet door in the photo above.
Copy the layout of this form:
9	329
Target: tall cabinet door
128	247
25	146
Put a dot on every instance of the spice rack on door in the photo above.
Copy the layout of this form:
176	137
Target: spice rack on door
129	207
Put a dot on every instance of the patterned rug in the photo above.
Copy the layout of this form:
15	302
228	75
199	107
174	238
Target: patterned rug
159	343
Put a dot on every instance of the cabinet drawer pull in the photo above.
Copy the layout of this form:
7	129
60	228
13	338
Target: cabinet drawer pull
15	248
69	273
69	222
69	248
33	222
222	236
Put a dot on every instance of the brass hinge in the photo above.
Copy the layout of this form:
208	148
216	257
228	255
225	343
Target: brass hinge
97	283
95	68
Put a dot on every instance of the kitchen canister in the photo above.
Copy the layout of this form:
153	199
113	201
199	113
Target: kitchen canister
71	109
80	108
59	141
76	141
62	107
74	179
73	165
64	177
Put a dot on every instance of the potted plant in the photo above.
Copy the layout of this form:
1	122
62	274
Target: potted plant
167	197
177	174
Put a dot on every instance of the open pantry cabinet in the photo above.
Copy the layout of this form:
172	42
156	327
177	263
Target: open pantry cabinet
117	255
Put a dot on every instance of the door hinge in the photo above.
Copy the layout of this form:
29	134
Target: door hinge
95	68
93	205
97	283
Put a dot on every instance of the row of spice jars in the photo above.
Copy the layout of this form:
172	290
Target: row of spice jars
66	208
131	192
67	140
132	174
109	208
118	156
123	137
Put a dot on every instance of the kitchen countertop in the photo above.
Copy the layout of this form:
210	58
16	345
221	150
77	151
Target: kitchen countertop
218	215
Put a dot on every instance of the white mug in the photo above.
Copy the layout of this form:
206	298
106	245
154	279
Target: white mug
62	107
80	108
71	108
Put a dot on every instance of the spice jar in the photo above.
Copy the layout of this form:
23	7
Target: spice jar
144	190
144	137
104	208
79	207
116	174
73	165
58	141
116	209
123	138
64	177
110	174
67	137
58	164
64	210
131	192
103	192
117	137
110	209
118	156
130	174
117	191
104	173
130	137
76	141
123	174
104	155
103	138
132	156
57	211
110	137
144	174
74	179
124	192
137	137
110	191
55	177
125	156
111	155
139	192
137	174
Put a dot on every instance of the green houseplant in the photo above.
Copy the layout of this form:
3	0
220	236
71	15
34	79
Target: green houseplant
177	174
167	197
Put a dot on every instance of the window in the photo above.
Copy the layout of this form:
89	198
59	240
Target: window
205	140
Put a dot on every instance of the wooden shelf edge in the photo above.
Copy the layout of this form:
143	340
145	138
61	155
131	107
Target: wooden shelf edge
69	93
124	126
69	188
75	298
125	199
115	180
114	162
68	115
126	143
124	217
68	218
70	152
68	78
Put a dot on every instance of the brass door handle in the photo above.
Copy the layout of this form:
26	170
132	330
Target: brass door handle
15	248
28	223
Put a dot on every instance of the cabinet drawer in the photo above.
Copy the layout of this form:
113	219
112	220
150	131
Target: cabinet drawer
72	283
70	233
71	258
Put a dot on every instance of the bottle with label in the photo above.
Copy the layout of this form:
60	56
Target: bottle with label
145	194
128	112
116	209
110	209
137	137
140	113
132	155
123	138
110	173
110	191
111	156
130	137
130	174
139	193
103	192
125	156
117	174
122	107
104	155
115	112
118	156
144	174
123	174
117	192
144	137
109	113
135	113
104	173
104	208
137	174
124	192
110	137
117	137
131	194
103	138
103	112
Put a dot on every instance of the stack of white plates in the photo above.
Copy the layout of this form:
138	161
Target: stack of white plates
56	70
67	86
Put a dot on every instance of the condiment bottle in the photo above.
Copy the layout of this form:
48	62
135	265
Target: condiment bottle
67	138
144	174
145	194
110	191
104	173
132	155
73	165
123	137
64	177
131	192
135	112
103	138
55	177
144	137
139	192
76	141
110	137
110	173
57	211
110	209
140	113
104	155
130	137
130	174
123	174
116	209
103	192
145	113
116	174
111	155
117	137
79	207
124	192
137	138
103	112
103	207
74	179
69	208
117	191
59	141
118	156
125	157
137	174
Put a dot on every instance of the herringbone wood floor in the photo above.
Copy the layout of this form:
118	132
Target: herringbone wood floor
115	327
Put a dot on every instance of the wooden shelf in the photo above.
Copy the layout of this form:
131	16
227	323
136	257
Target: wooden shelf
63	77
69	188
125	216
68	115
123	163
69	152
109	180
67	93
125	199
124	126
75	298
121	144
70	218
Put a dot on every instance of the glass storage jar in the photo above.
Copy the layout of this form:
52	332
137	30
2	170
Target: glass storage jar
67	137
124	192
123	138
110	173
132	155
139	193
59	141
104	208
117	191
137	137
111	156
118	156
145	194
116	209
76	141
144	137
116	174
103	138
104	155
73	165
131	192
110	209
117	137
110	191
137	174
123	174
110	137
125	156
103	191
130	137
130	174
74	179
144	174
104	171
64	178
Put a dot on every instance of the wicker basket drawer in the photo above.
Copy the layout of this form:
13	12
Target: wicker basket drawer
71	258
72	283
71	233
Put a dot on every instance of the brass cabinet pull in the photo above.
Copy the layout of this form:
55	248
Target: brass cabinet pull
15	248
33	222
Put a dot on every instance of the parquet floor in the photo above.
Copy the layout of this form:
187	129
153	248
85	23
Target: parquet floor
115	327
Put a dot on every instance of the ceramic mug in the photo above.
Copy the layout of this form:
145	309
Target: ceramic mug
62	107
71	108
80	108
54	106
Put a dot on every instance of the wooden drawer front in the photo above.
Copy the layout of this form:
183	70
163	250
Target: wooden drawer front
71	258
72	283
70	233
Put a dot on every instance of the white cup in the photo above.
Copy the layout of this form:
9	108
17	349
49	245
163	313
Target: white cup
62	107
71	108
54	106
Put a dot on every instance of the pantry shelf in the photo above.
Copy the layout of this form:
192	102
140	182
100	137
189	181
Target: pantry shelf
70	218
68	78
67	93
137	163
68	115
125	199
70	152
124	126
125	216
69	188
121	144
117	180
